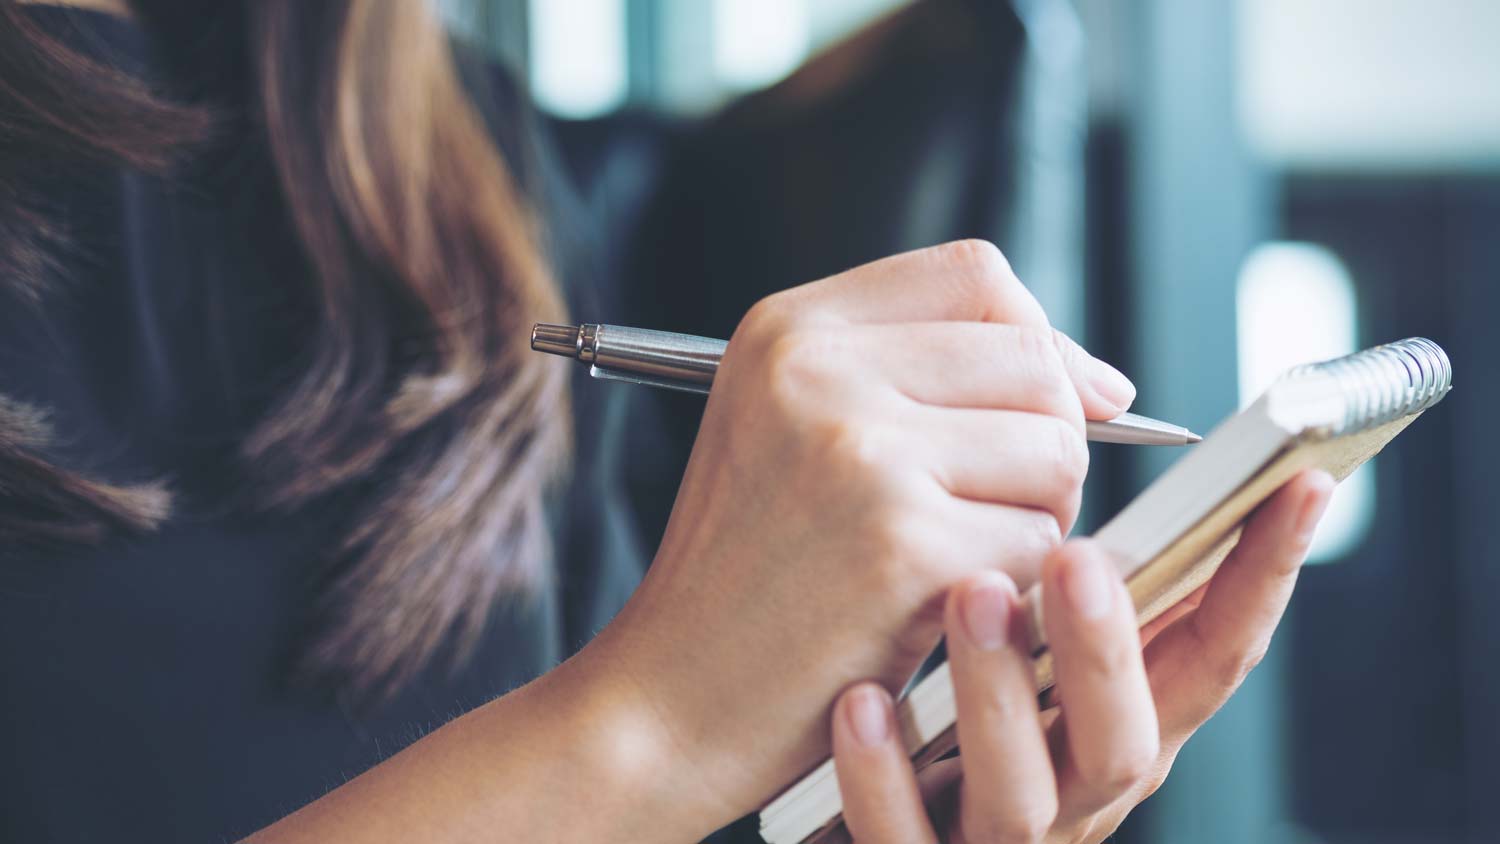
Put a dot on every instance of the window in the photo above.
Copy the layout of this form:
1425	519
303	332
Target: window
1295	304
578	58
756	42
587	58
1351	84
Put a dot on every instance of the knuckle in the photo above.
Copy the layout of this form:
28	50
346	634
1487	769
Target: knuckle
1068	456
1045	535
769	316
1116	773
1068	509
1048	535
1068	351
996	703
851	444
1038	536
1039	347
1009	829
783	356
1224	669
1233	669
791	365
1044	372
980	257
980	266
901	538
1024	825
1105	661
1033	822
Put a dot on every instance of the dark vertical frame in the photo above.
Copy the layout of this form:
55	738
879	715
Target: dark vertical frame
1474	341
1395	648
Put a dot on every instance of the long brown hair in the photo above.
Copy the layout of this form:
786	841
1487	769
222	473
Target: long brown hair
423	256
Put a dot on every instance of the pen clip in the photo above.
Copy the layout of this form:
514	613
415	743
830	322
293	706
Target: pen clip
606	374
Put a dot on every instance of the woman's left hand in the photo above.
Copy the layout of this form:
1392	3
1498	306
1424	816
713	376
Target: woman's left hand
1071	775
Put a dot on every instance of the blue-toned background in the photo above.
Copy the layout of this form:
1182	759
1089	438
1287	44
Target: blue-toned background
1205	192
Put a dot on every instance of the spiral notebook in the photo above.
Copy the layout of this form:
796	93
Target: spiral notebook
1334	415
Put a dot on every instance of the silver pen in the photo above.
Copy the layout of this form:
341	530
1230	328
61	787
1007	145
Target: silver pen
688	363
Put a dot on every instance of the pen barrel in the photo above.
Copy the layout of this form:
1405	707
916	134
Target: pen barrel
664	354
688	363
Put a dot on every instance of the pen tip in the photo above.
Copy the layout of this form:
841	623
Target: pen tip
1193	438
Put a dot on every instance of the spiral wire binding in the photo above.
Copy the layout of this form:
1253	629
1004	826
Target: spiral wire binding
1387	382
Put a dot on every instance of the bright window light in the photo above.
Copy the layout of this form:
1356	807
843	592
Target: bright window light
830	20
578	61
756	42
1296	304
1370	84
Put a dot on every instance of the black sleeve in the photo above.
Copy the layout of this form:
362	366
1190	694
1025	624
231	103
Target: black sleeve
599	555
601	552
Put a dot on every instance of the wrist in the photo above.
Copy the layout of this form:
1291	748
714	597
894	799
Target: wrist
644	780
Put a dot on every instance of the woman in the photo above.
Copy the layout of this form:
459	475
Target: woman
277	473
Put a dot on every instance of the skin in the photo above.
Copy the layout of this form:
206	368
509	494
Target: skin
846	475
851	490
1072	774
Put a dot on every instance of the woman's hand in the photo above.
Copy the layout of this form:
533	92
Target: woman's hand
1071	776
871	439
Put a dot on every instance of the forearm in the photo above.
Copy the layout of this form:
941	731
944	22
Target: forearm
820	519
574	756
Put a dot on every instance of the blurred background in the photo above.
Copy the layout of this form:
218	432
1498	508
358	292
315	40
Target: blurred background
1204	192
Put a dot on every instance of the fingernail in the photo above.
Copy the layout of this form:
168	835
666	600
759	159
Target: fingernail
984	610
1111	384
869	716
1088	586
1313	507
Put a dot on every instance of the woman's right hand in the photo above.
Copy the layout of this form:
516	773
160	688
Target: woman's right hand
871	439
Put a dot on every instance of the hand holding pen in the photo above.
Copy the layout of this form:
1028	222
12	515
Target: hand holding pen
687	363
868	443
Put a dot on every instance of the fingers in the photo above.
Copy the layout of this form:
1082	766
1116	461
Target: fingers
1008	793
987	537
882	803
1020	779
1109	728
963	280
1197	664
1170	616
1020	459
1014	367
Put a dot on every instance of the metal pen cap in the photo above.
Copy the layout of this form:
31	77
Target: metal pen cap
565	340
638	355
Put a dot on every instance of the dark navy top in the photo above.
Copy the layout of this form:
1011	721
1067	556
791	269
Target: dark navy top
144	685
